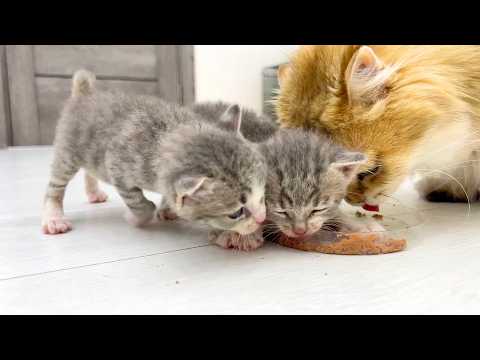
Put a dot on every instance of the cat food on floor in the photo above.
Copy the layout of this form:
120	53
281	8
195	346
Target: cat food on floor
378	217
360	214
345	244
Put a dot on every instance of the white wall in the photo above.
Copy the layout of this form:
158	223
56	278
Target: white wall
233	73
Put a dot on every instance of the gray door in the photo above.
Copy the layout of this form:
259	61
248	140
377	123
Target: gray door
39	81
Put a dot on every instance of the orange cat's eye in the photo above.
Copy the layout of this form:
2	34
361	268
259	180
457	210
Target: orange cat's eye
367	173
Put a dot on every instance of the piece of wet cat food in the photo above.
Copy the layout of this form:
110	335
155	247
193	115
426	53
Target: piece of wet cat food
377	217
359	214
345	244
373	208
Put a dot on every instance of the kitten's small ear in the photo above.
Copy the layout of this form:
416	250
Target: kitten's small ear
232	117
347	163
186	187
283	73
365	76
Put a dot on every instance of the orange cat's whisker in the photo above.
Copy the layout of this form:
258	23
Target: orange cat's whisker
429	171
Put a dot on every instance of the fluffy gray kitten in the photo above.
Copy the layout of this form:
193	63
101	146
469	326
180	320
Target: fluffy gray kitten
140	143
255	128
308	178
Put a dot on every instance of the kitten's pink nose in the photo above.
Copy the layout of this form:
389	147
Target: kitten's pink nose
259	219
259	216
300	231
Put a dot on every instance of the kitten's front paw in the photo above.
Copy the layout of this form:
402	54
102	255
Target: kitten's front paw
97	197
233	240
56	225
166	214
138	220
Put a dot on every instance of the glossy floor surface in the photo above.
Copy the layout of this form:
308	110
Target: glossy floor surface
105	266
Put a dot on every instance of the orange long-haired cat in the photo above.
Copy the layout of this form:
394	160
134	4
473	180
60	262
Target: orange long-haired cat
410	109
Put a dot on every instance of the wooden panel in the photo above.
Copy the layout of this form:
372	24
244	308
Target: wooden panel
186	66
23	104
119	61
5	126
168	74
52	93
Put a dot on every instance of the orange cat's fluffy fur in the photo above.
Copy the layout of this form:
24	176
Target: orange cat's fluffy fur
410	109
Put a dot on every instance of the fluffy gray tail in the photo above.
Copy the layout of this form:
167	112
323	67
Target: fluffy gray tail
83	83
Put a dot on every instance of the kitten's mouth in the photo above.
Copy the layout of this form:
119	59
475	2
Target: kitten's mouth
292	235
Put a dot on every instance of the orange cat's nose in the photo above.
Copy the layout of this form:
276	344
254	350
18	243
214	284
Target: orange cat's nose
355	199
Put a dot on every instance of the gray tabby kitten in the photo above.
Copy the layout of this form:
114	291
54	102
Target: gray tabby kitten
307	181
255	128
140	143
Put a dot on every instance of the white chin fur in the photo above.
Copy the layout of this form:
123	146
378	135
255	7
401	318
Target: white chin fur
247	229
255	203
446	155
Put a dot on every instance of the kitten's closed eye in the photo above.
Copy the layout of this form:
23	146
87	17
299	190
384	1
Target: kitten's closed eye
282	213
318	211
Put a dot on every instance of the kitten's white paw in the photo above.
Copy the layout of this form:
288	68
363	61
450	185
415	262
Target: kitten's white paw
138	221
233	240
166	214
97	197
56	225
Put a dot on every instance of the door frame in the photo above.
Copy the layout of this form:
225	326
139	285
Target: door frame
5	124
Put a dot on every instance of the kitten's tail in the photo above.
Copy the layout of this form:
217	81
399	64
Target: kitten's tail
83	83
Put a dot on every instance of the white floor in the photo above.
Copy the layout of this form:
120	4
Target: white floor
106	267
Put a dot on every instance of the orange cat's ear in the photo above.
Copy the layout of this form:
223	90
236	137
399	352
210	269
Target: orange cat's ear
283	73
365	76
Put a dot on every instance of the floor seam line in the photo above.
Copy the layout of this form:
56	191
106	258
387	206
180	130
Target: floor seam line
101	263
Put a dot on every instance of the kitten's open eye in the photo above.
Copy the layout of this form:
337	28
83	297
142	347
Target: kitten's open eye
318	211
237	215
367	173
